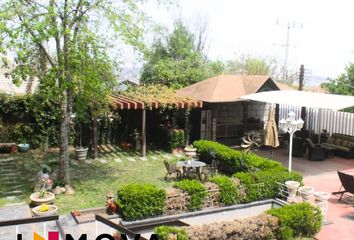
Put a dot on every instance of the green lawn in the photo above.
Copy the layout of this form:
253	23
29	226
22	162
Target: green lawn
91	181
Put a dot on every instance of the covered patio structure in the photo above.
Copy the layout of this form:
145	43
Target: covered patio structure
144	100
225	116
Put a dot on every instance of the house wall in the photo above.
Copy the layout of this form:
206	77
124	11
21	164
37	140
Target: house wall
233	120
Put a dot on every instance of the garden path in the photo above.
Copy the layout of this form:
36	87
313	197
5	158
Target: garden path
11	187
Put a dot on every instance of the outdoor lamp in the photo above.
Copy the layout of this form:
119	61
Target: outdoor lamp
291	125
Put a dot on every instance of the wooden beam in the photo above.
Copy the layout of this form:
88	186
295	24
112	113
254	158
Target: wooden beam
143	133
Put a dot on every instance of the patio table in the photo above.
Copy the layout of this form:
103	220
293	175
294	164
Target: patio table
189	166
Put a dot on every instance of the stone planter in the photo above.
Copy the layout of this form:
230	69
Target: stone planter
36	200
292	187
23	147
321	196
81	153
51	211
306	192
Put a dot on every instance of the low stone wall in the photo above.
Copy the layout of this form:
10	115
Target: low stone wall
254	228
177	200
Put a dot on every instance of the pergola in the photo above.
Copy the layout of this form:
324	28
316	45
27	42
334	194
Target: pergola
148	101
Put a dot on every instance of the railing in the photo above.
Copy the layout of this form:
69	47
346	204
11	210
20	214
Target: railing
22	221
118	227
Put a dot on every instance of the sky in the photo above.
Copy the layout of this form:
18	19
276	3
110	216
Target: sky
321	35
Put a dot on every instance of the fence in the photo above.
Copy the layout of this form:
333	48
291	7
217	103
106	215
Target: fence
319	119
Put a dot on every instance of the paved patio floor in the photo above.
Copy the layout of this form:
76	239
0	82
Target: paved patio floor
322	175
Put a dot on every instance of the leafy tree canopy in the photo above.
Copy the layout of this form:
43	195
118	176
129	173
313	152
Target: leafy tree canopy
72	43
253	65
343	84
176	61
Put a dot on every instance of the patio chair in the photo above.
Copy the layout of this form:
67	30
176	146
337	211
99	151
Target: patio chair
315	151
171	169
347	181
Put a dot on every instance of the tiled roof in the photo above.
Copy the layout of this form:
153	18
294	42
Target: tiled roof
226	88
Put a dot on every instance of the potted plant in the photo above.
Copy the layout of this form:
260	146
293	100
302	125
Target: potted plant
292	188
23	147
176	140
306	192
81	152
45	210
43	196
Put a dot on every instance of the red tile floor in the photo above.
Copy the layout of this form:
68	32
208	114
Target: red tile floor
322	175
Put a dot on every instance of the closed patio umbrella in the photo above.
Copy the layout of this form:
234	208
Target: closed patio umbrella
271	132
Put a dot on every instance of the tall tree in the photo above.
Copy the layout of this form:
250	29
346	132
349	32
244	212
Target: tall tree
177	60
343	84
73	36
253	65
250	65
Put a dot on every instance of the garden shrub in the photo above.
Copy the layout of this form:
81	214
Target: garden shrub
32	119
232	161
297	220
263	184
229	193
166	233
195	190
176	138
137	201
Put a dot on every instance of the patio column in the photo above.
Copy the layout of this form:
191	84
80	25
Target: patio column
143	133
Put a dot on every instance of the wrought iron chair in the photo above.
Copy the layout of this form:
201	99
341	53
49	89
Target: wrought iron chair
347	181
171	169
212	169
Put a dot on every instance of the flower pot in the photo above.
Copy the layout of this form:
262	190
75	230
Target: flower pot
51	211
306	192
292	187
81	153
321	196
23	147
37	200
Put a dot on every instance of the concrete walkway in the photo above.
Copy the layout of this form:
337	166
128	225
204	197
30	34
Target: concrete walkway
322	175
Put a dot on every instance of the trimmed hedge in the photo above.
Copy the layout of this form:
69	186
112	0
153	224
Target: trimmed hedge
263	184
229	193
230	160
165	232
196	191
137	201
297	220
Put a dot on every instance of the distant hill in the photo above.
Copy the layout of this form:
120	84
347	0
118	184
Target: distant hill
315	80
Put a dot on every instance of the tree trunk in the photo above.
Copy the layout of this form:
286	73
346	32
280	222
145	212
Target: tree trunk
94	129
64	141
